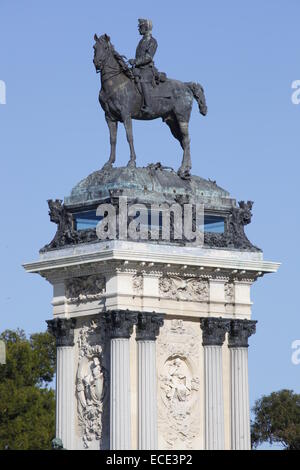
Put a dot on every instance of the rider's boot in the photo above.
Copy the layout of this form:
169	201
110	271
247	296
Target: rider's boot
146	108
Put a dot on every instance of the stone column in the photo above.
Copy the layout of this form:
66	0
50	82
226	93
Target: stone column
147	331
240	330
213	336
63	330
121	325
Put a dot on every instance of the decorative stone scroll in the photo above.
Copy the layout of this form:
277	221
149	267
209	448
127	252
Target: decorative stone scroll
229	292
179	288
178	408
138	284
85	288
91	381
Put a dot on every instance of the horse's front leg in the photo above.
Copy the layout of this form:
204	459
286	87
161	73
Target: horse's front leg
113	128
128	127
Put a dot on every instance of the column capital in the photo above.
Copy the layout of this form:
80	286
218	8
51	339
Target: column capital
120	323
214	330
240	331
148	325
63	330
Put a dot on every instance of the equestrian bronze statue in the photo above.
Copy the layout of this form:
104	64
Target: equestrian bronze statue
137	90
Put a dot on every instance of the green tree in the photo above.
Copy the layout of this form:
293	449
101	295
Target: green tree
27	403
277	420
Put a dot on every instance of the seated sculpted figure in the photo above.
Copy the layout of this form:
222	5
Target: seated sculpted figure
143	65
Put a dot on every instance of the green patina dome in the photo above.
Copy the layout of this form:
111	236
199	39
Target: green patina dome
153	184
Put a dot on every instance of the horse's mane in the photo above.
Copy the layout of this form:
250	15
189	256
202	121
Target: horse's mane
120	59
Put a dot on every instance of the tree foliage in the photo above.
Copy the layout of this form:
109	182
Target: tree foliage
277	420
27	403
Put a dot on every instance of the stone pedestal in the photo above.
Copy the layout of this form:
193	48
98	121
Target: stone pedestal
151	326
173	376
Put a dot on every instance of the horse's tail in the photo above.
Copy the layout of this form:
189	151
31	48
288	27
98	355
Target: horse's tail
198	94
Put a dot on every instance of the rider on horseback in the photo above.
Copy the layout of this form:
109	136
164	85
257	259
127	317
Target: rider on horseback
143	65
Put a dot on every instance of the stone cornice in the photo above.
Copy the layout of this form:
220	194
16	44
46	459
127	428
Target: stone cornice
63	330
148	326
236	264
120	323
239	332
214	330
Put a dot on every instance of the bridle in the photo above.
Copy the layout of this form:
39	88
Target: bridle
102	63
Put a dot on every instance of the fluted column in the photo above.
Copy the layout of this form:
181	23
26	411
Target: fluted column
63	330
240	330
121	325
213	336
147	331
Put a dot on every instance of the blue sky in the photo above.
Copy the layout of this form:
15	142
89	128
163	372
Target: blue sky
53	133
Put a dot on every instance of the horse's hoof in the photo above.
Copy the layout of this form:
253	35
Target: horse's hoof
184	173
131	164
107	166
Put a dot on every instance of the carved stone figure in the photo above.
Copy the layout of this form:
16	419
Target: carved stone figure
65	233
134	93
91	382
239	217
179	386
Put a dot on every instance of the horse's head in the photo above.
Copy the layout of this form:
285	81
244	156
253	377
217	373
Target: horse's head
101	47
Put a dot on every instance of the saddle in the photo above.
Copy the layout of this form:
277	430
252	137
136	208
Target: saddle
159	76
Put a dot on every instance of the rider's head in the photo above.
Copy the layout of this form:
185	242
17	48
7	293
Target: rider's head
145	26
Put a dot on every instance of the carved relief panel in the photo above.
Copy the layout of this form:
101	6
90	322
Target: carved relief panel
92	384
85	288
178	385
180	288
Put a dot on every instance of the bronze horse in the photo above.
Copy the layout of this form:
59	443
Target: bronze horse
121	101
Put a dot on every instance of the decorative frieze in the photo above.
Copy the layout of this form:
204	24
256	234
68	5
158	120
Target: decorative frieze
84	288
91	380
181	288
214	330
239	332
63	330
